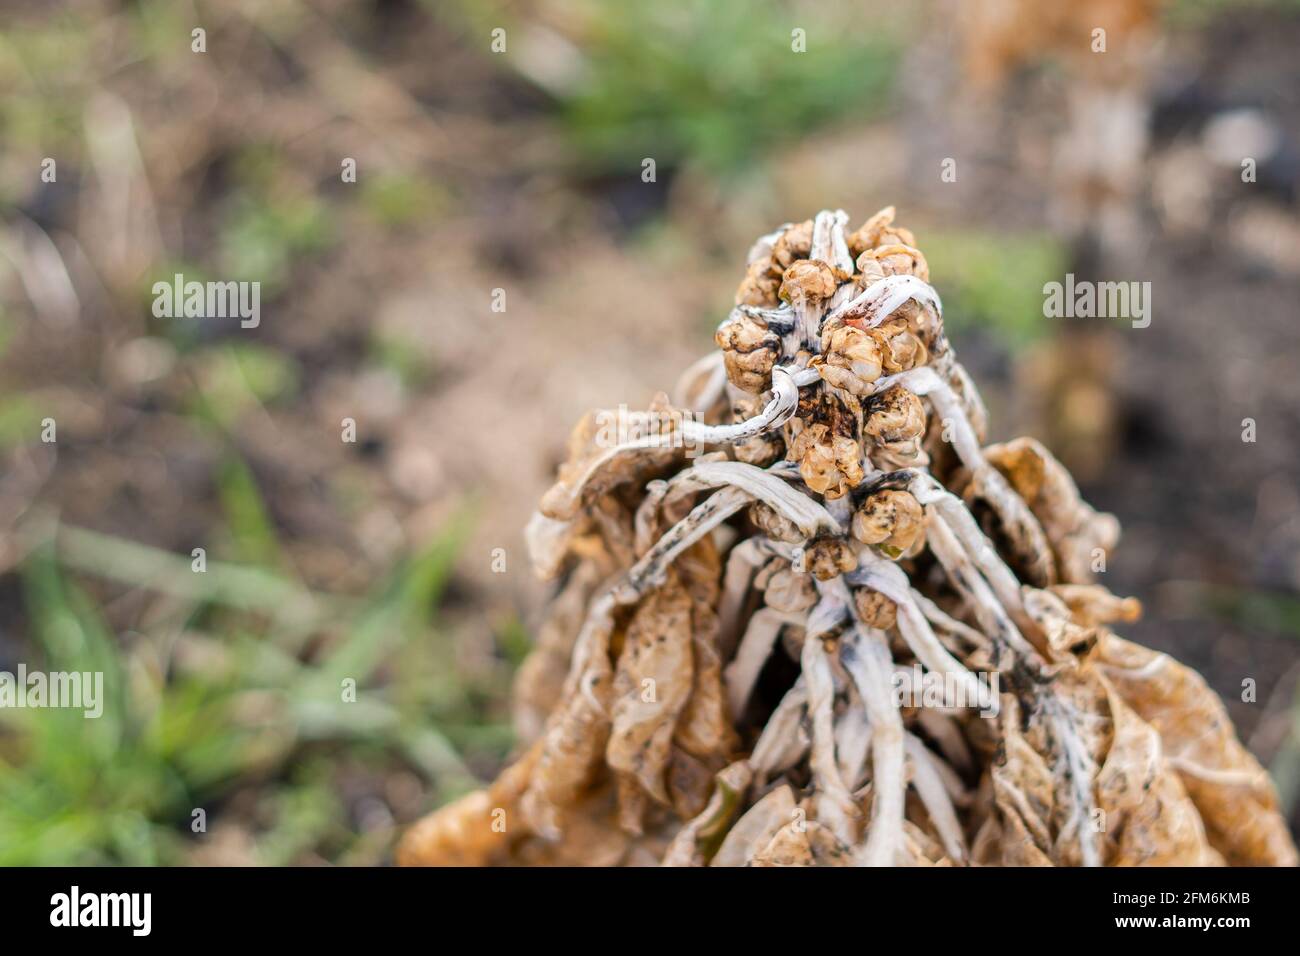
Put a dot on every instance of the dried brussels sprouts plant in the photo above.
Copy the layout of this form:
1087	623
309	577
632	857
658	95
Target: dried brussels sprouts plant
811	618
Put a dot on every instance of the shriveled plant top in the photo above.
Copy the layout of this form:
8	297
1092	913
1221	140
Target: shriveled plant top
805	616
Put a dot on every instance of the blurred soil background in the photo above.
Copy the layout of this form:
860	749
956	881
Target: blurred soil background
225	739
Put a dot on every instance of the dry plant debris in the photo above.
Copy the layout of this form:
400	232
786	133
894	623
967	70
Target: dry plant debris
805	616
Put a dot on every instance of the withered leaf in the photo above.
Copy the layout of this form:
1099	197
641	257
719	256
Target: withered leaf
1146	818
1024	794
598	460
652	686
1073	528
756	828
789	847
697	841
1230	789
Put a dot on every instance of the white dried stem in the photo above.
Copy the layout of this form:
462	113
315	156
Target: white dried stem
841	258
879	300
1081	772
808	515
864	653
659	494
808	321
962	572
829	243
944	621
890	580
755	648
977	546
952	510
835	805
821	247
841	297
973	403
853	743
703	518
832	609
929	784
993	487
785	399
780	320
841	509
646	520
784	741
743	561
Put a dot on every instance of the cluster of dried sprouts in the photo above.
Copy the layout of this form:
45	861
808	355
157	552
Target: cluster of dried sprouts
814	619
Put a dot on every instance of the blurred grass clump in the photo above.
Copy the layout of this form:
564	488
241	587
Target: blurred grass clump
699	82
272	220
252	682
717	83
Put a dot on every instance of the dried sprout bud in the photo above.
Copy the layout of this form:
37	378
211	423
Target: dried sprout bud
869	272
761	451
896	235
893	455
875	609
898	259
795	243
870	269
749	350
808	280
829	464
830	556
785	589
852	359
824	439
924	322
759	287
891	519
868	235
773	524
895	415
910	332
901	349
